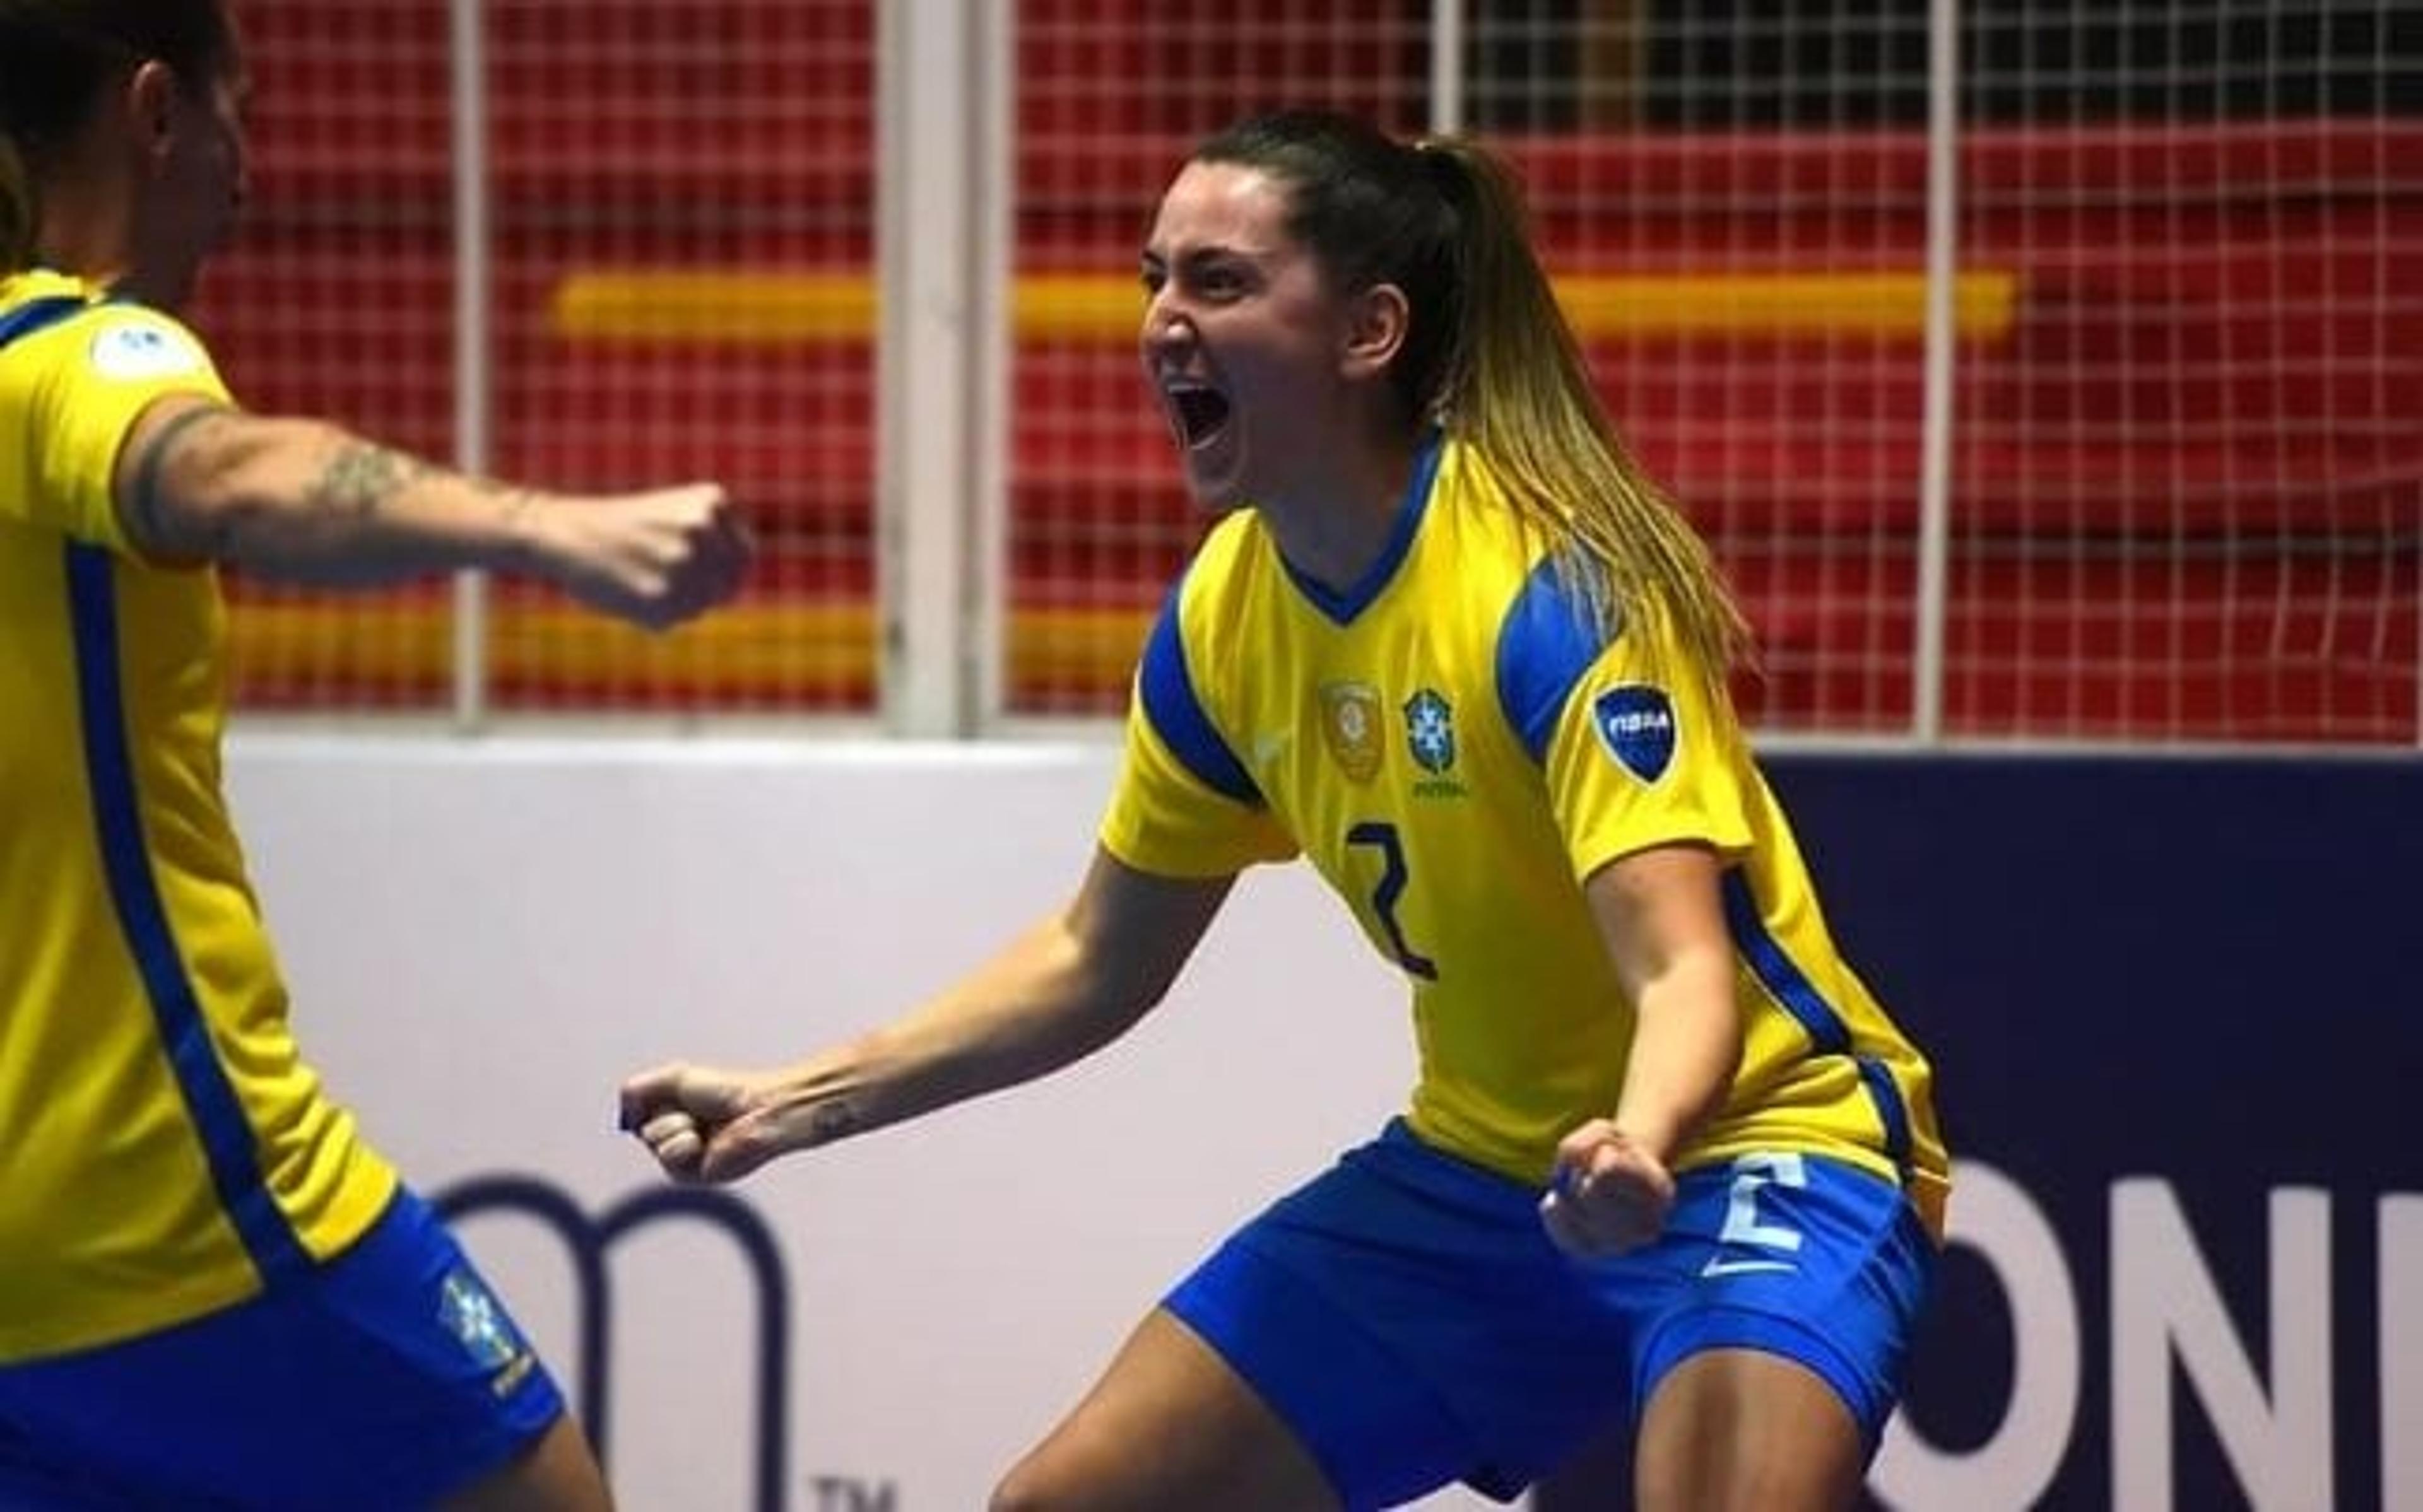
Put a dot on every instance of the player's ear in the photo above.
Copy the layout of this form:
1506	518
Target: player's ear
1376	321
148	101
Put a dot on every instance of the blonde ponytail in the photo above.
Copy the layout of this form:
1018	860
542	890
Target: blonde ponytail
1515	387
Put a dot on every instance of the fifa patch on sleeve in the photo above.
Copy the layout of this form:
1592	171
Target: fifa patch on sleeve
1636	724
131	349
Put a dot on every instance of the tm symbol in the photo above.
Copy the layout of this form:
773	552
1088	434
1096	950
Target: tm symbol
847	1493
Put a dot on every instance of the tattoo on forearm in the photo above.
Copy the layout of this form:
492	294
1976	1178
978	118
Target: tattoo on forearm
150	525
361	477
831	1120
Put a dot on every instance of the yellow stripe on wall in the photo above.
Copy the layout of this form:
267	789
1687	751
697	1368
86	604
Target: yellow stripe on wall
760	651
751	647
1076	648
1784	303
776	308
720	308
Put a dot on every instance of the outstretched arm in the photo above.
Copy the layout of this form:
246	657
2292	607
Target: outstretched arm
1662	917
1069	986
309	502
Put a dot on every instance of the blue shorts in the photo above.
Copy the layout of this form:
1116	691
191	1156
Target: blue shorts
389	1377
1408	1316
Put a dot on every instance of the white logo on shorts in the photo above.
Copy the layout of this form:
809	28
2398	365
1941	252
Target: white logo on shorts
1736	1267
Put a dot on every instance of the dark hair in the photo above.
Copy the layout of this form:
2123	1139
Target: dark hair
1488	355
55	58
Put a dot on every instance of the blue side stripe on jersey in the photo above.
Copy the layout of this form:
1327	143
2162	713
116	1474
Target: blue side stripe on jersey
209	1099
1791	986
1545	644
1783	977
1891	1111
1178	716
1341	607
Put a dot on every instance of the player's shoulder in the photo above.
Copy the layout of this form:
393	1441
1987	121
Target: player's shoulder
1532	594
1194	609
58	323
1231	551
1480	543
40	294
31	305
1206	601
1545	606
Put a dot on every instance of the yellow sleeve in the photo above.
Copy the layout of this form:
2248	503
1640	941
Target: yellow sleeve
1184	805
1164	819
1640	759
69	395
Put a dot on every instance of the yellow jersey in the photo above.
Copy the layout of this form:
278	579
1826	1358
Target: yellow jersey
165	1150
1456	748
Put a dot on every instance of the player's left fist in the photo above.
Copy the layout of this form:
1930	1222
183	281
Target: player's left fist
1608	1194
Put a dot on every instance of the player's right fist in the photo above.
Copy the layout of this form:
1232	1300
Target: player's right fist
655	559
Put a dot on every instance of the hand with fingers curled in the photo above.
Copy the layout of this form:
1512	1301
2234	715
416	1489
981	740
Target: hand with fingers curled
655	559
1609	1194
706	1125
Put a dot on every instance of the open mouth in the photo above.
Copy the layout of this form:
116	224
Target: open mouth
1197	414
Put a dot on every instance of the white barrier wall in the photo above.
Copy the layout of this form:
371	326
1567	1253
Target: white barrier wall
483	937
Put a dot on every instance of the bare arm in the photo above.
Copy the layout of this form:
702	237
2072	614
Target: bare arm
1661	915
1070	984
309	502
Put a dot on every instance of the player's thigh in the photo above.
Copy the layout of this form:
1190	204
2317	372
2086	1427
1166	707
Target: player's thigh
556	1474
1169	1427
1745	1430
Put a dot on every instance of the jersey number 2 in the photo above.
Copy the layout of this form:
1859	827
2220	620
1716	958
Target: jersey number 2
1749	1241
1393	876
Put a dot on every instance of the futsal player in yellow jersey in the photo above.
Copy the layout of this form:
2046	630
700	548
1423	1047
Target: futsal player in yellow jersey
212	1292
1668	1160
1451	746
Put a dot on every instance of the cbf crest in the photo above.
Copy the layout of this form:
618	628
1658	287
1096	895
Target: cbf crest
1350	725
471	1314
1430	730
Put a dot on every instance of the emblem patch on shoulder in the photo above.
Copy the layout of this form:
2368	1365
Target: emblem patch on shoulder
1636	724
129	350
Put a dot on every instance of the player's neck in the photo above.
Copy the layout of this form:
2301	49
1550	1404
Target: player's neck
1333	528
85	236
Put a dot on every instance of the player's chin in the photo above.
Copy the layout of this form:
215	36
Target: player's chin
1214	473
1216	492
